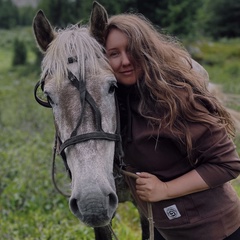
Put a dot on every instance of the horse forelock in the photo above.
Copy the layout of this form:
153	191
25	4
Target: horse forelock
74	42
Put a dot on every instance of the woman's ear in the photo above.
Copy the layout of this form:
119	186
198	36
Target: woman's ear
98	22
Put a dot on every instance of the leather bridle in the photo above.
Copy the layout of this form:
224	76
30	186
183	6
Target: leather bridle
85	97
99	134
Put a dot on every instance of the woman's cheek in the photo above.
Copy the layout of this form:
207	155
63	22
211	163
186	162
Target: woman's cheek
114	63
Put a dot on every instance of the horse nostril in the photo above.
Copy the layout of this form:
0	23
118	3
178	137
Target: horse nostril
73	205
113	200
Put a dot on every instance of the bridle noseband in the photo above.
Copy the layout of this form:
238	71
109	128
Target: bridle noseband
99	134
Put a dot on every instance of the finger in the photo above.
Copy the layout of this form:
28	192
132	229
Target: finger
140	187
142	195
143	174
140	181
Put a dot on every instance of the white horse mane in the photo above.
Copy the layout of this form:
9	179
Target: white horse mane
73	41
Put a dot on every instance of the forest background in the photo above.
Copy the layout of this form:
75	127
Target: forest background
30	208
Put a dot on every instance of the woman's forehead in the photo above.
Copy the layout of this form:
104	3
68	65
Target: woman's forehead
116	38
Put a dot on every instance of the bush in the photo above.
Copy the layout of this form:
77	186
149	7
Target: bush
20	52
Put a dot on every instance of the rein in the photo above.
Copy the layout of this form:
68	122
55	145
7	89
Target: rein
149	205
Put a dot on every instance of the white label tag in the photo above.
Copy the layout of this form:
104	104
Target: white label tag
172	212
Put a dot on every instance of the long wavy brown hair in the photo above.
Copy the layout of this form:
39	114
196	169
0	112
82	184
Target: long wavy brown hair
172	93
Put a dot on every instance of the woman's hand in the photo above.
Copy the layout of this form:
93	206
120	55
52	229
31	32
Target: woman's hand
149	188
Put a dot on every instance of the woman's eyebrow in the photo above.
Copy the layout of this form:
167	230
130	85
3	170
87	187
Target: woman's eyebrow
110	49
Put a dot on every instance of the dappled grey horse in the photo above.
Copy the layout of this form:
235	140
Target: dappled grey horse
79	86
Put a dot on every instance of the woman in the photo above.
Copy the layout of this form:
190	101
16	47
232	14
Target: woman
177	136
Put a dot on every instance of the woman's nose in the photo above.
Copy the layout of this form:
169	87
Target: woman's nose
125	59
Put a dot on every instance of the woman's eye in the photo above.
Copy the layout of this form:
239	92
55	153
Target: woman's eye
113	54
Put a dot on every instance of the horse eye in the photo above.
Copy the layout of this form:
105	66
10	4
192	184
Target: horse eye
50	101
112	88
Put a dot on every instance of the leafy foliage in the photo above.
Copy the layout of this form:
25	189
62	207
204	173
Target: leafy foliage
223	18
26	14
60	12
20	52
217	19
8	14
177	17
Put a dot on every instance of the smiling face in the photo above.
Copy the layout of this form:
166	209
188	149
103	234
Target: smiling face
119	58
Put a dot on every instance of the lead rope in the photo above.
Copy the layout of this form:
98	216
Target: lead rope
54	166
149	210
112	232
149	206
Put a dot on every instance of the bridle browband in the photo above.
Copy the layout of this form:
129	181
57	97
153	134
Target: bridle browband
99	134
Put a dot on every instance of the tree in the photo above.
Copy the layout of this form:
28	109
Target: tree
26	14
59	12
20	52
8	14
177	17
223	18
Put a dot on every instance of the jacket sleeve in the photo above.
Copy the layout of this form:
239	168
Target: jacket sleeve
217	160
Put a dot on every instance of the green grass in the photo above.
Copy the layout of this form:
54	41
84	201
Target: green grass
221	59
30	207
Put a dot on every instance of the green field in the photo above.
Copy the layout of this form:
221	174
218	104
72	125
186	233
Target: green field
30	208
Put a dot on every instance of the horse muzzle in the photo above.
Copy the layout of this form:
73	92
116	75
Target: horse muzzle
94	210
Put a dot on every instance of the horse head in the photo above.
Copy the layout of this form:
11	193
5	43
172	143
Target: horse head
79	85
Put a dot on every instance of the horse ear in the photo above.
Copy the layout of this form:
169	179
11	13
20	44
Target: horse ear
43	31
98	22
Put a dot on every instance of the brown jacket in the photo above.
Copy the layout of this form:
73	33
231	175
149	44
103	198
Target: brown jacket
211	214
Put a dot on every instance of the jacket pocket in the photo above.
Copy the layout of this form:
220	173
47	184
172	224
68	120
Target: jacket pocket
174	212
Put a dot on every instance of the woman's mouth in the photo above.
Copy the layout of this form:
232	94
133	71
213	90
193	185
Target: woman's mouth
128	72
